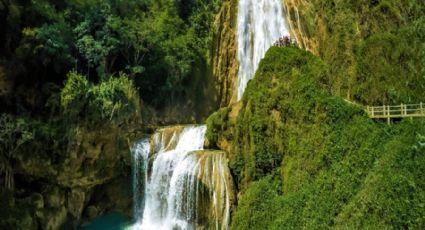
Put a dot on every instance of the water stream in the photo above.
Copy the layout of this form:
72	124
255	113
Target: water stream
260	24
178	185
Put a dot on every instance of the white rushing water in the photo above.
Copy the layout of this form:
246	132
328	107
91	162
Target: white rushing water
140	175
185	188
260	24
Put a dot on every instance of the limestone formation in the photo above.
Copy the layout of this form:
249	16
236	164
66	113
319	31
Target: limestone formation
224	55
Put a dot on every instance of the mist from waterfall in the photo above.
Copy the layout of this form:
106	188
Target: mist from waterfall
260	24
185	187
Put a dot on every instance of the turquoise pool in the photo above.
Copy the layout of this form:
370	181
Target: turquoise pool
110	221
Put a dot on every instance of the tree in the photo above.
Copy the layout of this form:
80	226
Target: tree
14	133
97	41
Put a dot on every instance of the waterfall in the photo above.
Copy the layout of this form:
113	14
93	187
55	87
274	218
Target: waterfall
260	24
186	187
179	185
140	175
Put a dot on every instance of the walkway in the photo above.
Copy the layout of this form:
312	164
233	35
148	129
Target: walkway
396	111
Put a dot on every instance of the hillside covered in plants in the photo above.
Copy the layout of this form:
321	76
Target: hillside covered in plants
303	158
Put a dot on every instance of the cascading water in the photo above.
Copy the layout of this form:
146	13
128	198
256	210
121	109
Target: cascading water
177	184
140	175
186	187
260	24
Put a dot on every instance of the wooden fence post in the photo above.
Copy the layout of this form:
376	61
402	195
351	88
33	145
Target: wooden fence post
388	115
402	110
383	111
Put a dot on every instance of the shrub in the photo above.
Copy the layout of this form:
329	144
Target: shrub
114	100
75	94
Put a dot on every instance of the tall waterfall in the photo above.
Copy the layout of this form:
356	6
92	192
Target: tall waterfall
186	187
260	24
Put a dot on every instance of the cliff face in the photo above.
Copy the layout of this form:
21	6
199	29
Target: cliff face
224	55
372	46
295	15
72	164
91	176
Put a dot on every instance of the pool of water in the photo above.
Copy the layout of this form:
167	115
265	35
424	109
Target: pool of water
110	221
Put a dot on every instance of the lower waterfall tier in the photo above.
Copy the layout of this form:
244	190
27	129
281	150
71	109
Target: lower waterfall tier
182	185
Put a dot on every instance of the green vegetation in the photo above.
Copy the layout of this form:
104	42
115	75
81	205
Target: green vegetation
81	105
375	47
306	159
113	100
216	124
376	185
76	77
85	135
274	109
159	44
13	135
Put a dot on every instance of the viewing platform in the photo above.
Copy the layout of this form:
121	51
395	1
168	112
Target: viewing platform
396	111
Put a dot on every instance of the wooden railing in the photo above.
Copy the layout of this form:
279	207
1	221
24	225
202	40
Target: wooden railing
398	111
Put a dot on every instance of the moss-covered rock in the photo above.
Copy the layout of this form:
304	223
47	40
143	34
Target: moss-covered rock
76	201
54	197
53	218
269	106
374	47
306	159
54	167
224	53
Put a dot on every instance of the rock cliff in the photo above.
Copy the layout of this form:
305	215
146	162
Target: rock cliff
92	176
224	55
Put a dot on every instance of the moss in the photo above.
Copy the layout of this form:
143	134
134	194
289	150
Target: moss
262	195
216	124
279	100
374	47
306	159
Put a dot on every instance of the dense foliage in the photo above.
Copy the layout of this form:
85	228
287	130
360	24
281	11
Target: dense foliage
113	100
306	159
375	47
156	43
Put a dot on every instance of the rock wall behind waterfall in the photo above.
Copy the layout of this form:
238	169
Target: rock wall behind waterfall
226	67
295	14
224	55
